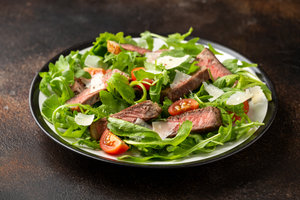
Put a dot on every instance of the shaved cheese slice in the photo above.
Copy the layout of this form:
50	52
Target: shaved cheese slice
258	106
152	56
97	82
164	129
179	77
83	119
171	62
92	61
213	91
239	97
258	95
141	122
254	93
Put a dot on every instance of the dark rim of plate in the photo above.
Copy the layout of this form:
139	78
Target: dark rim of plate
35	111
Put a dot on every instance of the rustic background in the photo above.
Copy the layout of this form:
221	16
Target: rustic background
32	166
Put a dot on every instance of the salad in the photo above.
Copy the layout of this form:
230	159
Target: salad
128	98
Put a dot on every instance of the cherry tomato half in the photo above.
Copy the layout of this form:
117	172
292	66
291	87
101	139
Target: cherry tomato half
150	81
182	106
93	70
246	110
112	144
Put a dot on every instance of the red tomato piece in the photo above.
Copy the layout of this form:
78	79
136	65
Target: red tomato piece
182	106
150	81
112	144
246	110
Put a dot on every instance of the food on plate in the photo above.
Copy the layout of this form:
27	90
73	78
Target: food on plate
132	98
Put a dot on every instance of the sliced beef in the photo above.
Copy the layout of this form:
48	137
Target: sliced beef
91	96
185	87
114	47
78	86
87	96
130	47
97	128
207	59
204	119
145	111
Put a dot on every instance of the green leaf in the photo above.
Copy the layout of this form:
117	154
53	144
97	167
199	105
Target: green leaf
246	64
49	105
93	144
82	73
110	104
173	53
130	130
155	91
213	50
100	46
182	133
61	87
119	83
46	78
146	37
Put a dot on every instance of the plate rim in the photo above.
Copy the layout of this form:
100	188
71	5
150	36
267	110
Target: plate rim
272	107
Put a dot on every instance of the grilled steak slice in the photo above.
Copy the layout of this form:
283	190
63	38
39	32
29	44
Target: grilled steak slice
78	86
207	59
145	110
204	119
185	87
114	47
91	95
97	128
87	96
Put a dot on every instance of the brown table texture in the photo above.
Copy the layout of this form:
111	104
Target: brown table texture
32	166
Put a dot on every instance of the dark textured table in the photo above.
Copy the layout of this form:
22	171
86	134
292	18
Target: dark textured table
32	166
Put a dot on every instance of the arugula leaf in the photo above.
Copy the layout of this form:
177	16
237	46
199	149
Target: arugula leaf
61	87
176	41
177	153
210	47
49	105
124	61
61	75
193	68
46	78
126	129
155	91
173	53
100	45
183	131
87	142
110	104
166	104
233	66
118	84
147	38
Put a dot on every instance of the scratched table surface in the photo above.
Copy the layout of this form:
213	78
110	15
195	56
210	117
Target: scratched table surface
32	166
